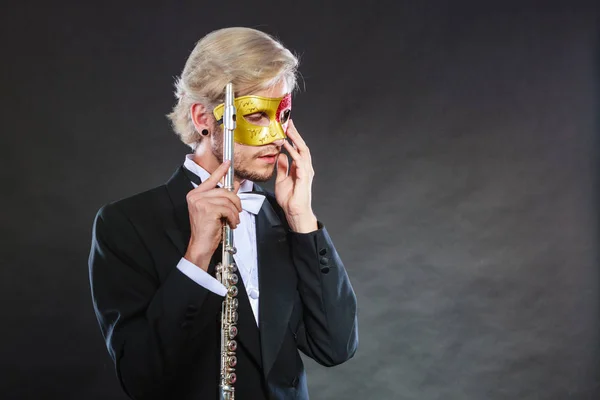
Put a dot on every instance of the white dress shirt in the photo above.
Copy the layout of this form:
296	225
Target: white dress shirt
244	240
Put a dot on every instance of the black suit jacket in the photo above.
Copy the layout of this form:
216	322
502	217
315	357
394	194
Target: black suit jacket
163	330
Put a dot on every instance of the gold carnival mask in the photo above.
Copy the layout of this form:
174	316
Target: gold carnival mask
276	109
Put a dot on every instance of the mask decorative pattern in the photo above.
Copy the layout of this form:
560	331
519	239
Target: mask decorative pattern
277	110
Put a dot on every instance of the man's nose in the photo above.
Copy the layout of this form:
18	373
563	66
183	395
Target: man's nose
278	142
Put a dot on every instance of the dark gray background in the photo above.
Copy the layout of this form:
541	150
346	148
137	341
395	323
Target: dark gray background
455	152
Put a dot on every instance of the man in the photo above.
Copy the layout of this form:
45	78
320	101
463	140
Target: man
153	255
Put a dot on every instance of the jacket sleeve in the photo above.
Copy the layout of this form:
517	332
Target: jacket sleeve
151	328
328	331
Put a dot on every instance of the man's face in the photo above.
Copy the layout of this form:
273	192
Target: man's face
256	163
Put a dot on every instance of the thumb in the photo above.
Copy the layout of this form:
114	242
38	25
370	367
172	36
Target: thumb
282	167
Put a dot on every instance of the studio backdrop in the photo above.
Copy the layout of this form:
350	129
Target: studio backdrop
455	151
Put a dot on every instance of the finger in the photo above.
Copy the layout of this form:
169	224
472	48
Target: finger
299	143
293	152
214	178
221	193
222	202
300	167
282	167
294	170
195	197
222	212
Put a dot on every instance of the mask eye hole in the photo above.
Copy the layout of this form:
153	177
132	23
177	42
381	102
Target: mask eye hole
258	118
285	116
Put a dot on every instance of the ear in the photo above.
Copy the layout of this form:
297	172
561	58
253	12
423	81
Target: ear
200	118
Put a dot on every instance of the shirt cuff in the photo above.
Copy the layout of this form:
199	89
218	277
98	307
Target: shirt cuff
201	277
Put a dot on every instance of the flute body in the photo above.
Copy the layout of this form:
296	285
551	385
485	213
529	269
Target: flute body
227	268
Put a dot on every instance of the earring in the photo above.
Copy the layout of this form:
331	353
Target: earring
204	132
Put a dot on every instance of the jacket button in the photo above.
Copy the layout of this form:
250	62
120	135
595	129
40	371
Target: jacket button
325	270
191	313
322	252
295	382
324	260
192	308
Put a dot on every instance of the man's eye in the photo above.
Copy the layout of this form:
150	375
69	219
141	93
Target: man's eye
259	118
285	115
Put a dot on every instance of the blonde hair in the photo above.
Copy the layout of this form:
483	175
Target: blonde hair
250	59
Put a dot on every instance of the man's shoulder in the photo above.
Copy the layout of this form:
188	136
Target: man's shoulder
138	206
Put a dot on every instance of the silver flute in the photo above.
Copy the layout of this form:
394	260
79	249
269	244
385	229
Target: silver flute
227	268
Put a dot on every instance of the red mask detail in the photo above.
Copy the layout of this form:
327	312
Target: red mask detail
286	103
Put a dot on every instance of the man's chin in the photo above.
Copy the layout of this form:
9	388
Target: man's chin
262	179
256	176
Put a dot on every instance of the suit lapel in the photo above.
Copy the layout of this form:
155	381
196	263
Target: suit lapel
177	188
277	283
248	331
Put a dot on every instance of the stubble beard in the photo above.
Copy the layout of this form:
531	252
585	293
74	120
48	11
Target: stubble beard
240	164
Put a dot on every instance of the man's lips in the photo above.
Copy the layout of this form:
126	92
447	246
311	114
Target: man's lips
269	158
